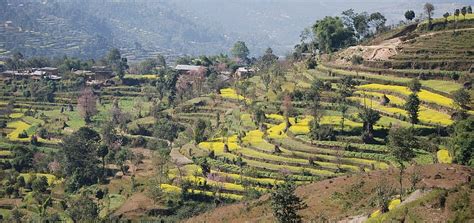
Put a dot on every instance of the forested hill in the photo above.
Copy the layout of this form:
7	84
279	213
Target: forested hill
87	28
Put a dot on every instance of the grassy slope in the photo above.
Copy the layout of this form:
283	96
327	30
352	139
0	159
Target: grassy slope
324	200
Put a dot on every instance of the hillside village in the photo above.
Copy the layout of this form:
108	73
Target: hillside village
361	122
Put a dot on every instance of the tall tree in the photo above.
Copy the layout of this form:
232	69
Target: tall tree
118	64
377	21
80	163
409	15
332	34
464	11
87	104
268	58
412	107
166	129
240	50
285	203
414	85
200	131
343	108
83	209
23	157
401	142
429	10
462	142
461	98
346	87
287	107
446	15
369	118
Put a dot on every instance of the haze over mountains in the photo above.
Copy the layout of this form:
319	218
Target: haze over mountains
141	28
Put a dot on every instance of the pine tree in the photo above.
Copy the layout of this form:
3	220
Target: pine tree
285	203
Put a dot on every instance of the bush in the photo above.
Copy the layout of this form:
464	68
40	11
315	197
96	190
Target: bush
23	135
311	63
155	144
3	124
357	60
34	141
139	141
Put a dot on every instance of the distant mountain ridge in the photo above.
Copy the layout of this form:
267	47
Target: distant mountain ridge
143	28
87	29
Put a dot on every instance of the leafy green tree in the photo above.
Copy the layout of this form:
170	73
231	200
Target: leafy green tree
122	156
16	216
464	11
469	10
332	34
269	58
402	142
200	131
154	191
461	98
462	142
446	15
414	85
346	87
259	116
383	192
429	10
240	50
83	209
369	117
166	129
40	184
377	21
412	106
118	64
343	108
23	157
43	201
409	15
357	21
313	96
205	167
285	203
102	152
80	163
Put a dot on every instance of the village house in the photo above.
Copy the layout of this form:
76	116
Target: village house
243	72
102	73
49	71
186	69
97	75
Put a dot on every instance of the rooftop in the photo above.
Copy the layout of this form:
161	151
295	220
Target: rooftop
187	67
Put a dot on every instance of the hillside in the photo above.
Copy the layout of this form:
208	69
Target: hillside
352	199
411	48
87	29
212	140
142	29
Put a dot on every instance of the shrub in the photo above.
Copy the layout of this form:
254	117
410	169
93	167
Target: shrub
23	135
139	141
3	124
311	63
357	60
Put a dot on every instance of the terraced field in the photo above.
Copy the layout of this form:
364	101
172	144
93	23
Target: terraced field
273	152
